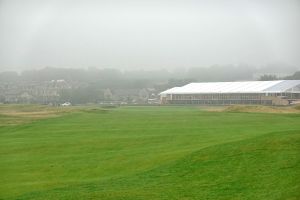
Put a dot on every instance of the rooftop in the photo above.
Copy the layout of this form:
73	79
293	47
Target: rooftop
237	87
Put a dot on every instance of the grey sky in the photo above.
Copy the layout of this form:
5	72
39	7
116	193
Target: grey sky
147	34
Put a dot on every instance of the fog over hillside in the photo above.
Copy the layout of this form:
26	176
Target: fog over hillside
149	35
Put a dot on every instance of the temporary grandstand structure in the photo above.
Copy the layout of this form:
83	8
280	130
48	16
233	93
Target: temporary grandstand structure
281	92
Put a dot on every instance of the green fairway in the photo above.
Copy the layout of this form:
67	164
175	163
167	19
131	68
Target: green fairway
150	153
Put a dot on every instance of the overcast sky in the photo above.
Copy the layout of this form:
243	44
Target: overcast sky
147	34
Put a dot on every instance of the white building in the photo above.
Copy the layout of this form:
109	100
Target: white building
281	92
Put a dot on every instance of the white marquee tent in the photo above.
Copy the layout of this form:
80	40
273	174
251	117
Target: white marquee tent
237	87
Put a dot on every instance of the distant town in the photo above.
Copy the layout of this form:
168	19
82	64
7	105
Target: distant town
65	87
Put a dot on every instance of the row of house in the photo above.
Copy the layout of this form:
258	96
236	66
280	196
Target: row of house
33	92
51	92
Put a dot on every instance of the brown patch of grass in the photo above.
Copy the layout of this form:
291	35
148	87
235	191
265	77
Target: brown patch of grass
261	109
297	107
18	114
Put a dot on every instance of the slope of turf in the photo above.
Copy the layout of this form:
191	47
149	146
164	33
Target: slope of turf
152	153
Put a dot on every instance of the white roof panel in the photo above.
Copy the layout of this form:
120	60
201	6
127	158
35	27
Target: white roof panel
235	87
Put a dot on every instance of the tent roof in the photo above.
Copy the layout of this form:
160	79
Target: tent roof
235	87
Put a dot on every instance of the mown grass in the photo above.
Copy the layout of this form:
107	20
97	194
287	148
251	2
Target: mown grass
152	153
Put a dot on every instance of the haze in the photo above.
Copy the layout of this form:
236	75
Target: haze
147	34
